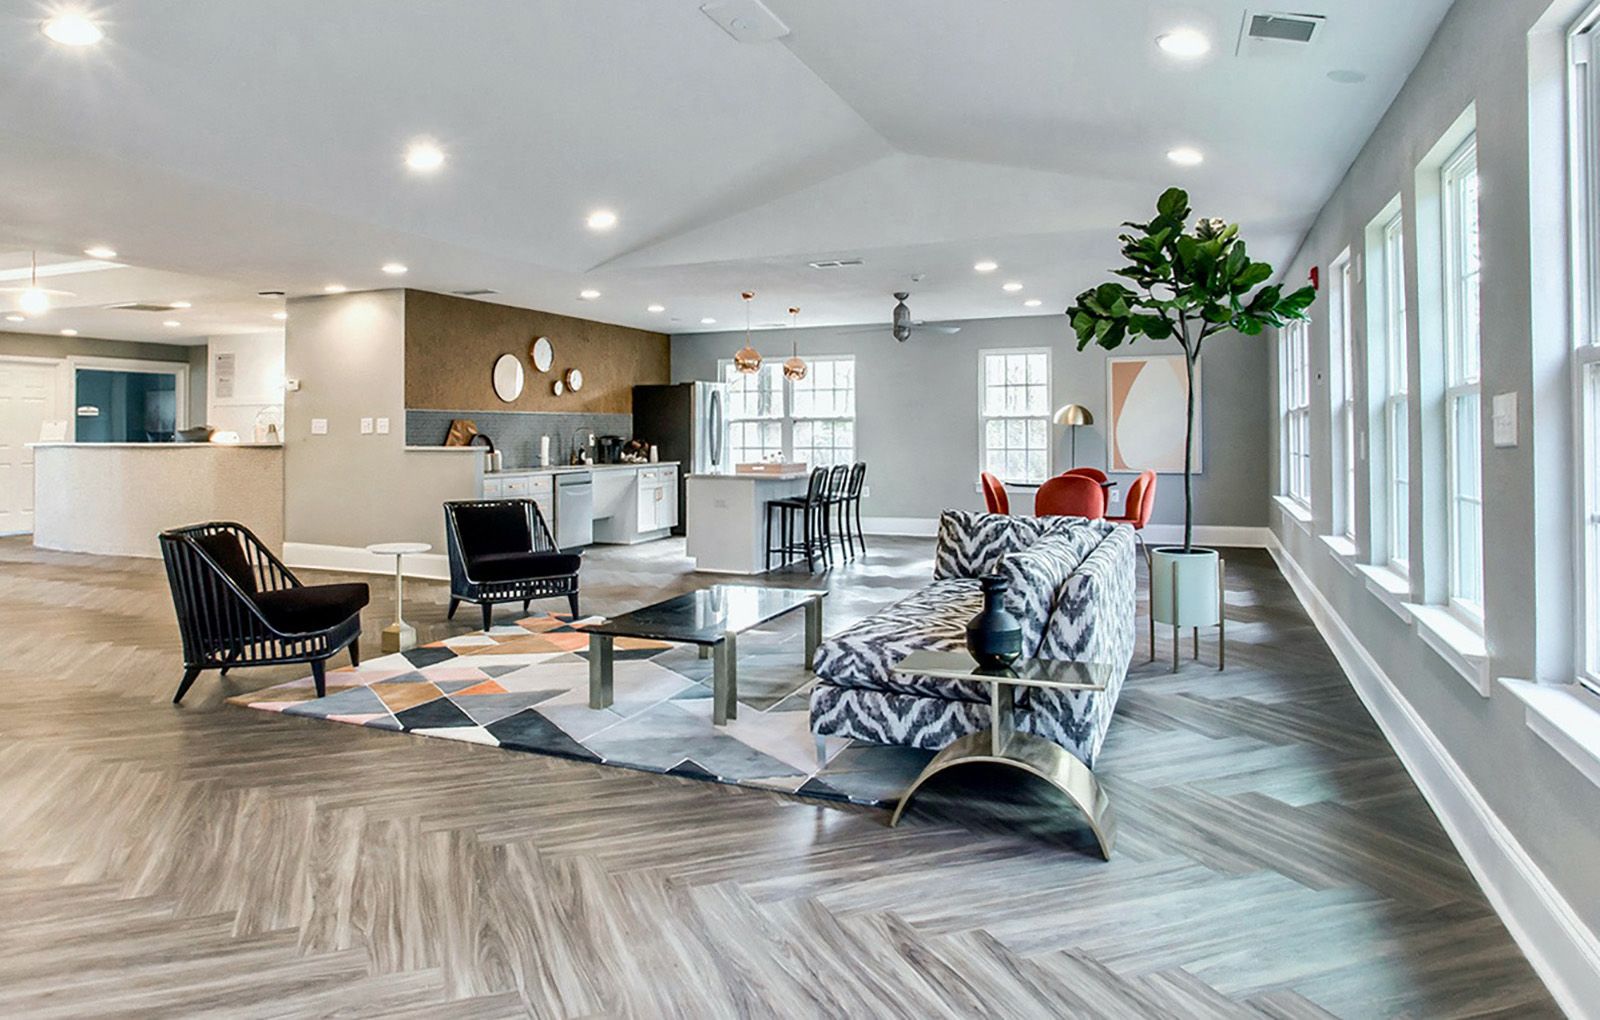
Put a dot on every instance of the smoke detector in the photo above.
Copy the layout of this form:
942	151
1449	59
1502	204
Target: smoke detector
1268	33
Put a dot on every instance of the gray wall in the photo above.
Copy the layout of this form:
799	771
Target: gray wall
1483	54
917	411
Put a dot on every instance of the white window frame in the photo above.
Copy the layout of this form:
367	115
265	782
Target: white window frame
783	412
179	370
796	419
1584	128
1462	363
1396	488
1294	390
1341	359
984	417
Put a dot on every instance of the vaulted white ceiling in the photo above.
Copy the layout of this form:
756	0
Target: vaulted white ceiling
260	144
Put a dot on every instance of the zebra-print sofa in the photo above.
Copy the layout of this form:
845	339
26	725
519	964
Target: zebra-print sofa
1073	589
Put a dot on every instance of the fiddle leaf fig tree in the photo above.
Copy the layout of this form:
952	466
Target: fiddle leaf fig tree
1187	285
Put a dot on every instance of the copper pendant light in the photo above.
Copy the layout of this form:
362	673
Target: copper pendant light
747	359
794	369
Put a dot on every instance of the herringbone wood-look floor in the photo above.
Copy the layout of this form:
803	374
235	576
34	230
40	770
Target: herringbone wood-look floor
1274	859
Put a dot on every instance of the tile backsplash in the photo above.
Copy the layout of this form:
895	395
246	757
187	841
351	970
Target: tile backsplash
516	433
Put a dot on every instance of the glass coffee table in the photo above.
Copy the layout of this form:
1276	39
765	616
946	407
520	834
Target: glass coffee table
1002	744
711	618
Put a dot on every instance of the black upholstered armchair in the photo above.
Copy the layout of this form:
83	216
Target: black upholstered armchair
501	550
238	605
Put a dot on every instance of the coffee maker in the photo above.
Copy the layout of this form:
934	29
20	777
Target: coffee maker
608	449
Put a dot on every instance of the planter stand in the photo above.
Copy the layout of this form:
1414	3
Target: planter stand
1180	595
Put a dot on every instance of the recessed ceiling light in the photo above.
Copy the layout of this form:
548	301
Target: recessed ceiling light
1187	43
986	266
1032	303
394	268
280	316
1185	156
72	30
172	324
335	288
424	156
181	304
602	219
588	295
69	332
656	308
100	251
16	318
708	321
1012	287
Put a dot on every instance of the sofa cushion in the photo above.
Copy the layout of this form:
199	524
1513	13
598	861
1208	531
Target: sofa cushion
933	619
1093	620
493	528
311	608
971	543
1037	574
227	550
521	566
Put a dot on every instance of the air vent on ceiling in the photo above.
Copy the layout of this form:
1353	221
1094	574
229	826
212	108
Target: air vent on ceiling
138	306
835	263
1269	34
479	292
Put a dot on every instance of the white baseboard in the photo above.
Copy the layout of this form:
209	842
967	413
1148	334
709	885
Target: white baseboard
1154	534
1562	949
911	527
354	560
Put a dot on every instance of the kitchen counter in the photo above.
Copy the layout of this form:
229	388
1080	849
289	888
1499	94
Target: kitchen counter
561	469
727	518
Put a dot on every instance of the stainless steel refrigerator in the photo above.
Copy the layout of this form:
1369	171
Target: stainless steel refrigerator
688	423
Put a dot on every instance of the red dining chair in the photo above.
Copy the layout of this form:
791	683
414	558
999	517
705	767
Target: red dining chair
994	494
1141	503
1070	496
1089	472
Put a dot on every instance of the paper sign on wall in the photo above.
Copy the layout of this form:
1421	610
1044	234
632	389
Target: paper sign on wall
226	367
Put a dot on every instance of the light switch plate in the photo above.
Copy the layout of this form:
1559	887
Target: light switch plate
383	426
366	426
319	426
1504	419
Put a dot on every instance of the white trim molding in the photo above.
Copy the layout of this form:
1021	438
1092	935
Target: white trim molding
1236	536
1461	647
351	559
1563	951
1566	717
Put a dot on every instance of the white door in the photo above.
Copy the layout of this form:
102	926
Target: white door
29	396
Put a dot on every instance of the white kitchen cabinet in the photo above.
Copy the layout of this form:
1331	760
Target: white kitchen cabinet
525	485
634	504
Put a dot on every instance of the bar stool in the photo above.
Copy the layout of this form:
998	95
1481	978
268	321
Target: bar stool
834	502
812	511
850	507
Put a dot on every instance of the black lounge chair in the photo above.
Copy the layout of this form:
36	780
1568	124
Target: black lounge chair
501	550
238	605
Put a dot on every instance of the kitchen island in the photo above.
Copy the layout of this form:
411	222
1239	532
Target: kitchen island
726	518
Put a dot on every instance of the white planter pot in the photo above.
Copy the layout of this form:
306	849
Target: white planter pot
1184	589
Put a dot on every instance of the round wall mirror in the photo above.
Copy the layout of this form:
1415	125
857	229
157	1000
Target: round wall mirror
542	353
507	377
574	379
558	387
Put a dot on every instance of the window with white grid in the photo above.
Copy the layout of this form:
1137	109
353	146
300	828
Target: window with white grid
1341	338
1294	400
755	413
1585	192
812	421
823	408
1014	386
1463	433
1396	490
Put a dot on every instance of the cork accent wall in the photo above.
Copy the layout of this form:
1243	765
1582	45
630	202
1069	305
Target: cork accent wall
452	344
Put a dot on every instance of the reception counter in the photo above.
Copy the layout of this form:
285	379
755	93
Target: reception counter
725	519
115	498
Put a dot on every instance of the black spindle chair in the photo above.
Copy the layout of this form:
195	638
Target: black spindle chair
850	509
501	550
238	605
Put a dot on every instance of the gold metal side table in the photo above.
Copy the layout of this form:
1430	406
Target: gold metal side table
1002	744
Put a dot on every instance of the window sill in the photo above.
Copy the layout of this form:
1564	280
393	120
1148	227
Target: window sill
1344	551
1294	511
1392	589
1457	644
1566	717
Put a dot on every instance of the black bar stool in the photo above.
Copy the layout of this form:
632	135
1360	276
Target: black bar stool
850	508
812	511
834	506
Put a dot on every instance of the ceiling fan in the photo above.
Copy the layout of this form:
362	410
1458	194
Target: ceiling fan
903	325
34	299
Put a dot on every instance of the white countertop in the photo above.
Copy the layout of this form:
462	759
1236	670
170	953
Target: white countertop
569	468
788	476
162	446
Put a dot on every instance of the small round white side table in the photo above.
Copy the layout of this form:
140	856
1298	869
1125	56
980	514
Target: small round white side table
399	635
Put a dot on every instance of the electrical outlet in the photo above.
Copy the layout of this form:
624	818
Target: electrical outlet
383	426
366	426
319	426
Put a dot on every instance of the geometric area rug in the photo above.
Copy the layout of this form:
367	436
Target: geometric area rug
525	687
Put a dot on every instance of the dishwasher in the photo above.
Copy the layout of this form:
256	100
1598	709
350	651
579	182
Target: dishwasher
574	509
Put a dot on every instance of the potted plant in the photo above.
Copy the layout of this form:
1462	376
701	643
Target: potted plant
1187	286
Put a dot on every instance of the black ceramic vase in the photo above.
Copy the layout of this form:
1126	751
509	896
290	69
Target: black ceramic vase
994	636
